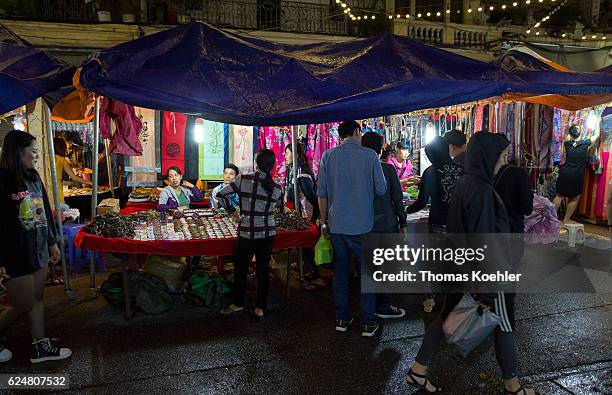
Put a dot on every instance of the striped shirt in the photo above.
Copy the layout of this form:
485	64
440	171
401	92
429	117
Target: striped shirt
256	205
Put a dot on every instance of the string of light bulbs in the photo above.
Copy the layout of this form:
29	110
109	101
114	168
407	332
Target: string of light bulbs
371	15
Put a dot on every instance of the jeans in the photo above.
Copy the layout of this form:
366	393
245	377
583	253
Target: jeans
246	248
344	246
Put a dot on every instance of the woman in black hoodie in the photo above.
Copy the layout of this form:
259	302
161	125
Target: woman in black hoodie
437	183
475	207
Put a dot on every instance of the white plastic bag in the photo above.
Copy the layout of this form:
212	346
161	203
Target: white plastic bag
466	327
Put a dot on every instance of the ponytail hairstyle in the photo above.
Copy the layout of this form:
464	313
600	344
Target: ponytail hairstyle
265	163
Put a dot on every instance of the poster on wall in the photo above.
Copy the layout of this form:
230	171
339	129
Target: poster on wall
143	169
241	153
211	149
173	140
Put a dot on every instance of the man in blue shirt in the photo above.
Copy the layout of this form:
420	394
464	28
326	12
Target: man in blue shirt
349	175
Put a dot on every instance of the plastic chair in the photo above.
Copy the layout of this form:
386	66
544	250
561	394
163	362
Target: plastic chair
75	256
572	232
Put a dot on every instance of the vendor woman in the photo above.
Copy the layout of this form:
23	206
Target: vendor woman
62	164
402	165
179	193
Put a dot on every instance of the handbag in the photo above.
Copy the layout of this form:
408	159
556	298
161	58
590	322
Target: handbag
324	252
468	325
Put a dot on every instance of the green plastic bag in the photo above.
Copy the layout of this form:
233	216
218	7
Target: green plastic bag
324	252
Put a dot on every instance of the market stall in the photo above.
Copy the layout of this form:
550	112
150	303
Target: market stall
198	232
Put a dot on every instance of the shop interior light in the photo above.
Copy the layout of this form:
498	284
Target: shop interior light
479	9
419	15
537	33
448	11
527	1
429	14
563	35
338	1
373	16
537	24
604	37
407	16
358	18
514	4
593	36
584	37
390	16
346	11
592	120
399	16
491	8
198	133
430	133
438	13
541	1
365	17
503	7
343	5
528	31
469	10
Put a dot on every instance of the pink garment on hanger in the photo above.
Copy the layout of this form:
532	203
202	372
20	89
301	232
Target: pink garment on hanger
276	138
478	118
602	183
321	138
126	139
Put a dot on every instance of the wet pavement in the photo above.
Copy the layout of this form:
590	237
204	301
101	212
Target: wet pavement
564	344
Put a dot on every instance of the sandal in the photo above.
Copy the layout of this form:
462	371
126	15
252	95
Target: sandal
231	309
414	377
520	391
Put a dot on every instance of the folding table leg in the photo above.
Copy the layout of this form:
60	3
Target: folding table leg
126	290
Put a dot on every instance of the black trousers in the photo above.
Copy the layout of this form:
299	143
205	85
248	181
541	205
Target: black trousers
245	249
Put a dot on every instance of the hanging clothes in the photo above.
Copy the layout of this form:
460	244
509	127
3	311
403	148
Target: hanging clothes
241	153
322	137
211	151
276	138
126	138
173	140
478	118
545	138
602	182
143	169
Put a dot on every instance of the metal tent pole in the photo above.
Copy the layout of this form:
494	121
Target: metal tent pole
69	293
296	194
94	192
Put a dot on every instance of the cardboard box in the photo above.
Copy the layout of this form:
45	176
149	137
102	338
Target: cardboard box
108	205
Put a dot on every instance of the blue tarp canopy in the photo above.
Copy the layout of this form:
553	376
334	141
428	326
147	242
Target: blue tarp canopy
27	73
235	78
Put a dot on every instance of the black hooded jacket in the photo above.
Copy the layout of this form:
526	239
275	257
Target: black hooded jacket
475	207
437	183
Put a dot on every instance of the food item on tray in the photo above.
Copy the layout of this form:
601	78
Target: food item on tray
84	191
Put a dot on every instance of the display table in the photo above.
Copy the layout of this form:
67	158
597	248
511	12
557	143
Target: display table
294	239
153	205
83	202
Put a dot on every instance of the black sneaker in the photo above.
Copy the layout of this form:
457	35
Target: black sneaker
343	326
47	350
369	330
5	353
391	312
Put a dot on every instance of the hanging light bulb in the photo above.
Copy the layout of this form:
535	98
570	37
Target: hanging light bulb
563	35
398	16
503	7
479	9
469	10
604	37
593	36
343	5
338	1
514	4
527	1
592	119
448	11
373	16
528	31
491	8
537	25
429	14
390	16
407	16
419	15
438	13
584	37
348	10
365	17
358	18
430	133
458	11
537	33
541	1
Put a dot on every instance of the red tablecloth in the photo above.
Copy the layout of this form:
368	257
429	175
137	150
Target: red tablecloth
153	205
207	247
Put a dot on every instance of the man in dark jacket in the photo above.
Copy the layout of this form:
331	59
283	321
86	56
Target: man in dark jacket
389	217
456	146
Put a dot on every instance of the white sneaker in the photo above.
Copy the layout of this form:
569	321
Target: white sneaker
5	353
